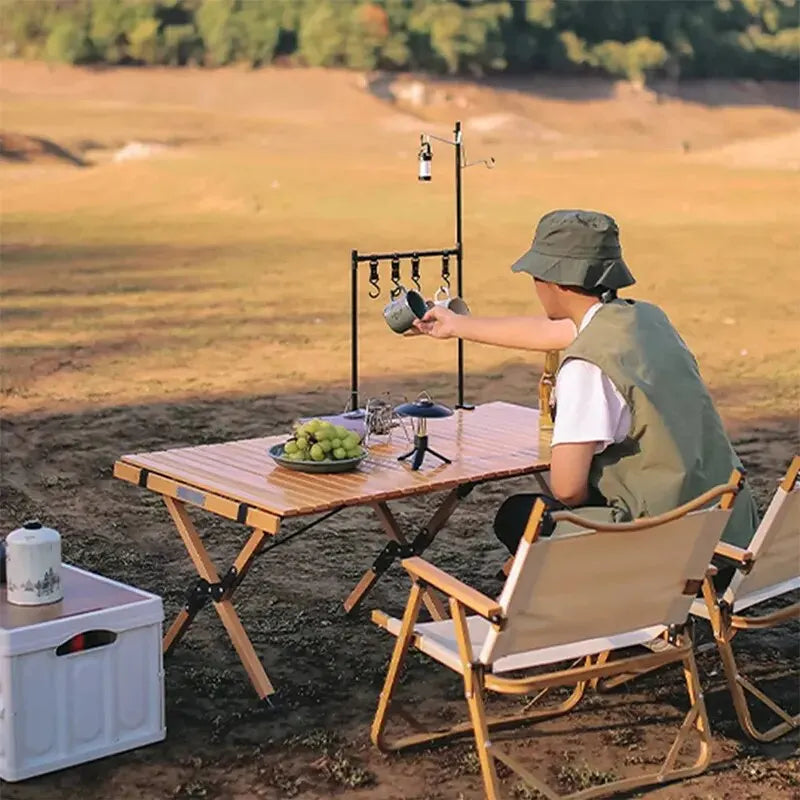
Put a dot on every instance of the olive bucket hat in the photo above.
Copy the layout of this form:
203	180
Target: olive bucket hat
576	248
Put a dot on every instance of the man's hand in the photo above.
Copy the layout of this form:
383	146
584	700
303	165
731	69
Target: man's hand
438	322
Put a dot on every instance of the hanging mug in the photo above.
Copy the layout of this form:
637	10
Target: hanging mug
455	304
404	309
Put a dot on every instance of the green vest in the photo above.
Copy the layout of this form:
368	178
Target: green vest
677	447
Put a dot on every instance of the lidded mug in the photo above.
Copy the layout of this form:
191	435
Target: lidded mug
33	565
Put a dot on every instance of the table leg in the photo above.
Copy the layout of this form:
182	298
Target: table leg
384	560
220	591
434	605
402	547
179	626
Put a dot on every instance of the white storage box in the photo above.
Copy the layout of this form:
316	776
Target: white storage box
79	679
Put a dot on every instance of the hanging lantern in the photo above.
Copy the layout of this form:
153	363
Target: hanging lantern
425	159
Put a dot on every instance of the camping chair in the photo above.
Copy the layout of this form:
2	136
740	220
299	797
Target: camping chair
568	598
769	568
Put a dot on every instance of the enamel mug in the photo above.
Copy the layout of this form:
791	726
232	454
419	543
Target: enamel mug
404	309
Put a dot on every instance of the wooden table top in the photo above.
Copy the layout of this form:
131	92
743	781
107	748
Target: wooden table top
492	441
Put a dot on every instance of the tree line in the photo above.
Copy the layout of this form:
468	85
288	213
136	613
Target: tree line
632	39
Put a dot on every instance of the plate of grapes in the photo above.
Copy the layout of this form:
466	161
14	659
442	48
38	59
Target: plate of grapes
320	446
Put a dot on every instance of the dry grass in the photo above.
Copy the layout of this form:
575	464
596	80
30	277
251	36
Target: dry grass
222	267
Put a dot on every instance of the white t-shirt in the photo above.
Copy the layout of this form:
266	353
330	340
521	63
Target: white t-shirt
588	406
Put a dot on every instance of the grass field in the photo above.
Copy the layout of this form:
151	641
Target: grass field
202	294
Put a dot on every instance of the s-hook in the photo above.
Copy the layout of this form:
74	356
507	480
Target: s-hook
446	270
396	276
415	271
374	278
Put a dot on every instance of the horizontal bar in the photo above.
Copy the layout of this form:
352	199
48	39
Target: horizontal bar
225	507
410	254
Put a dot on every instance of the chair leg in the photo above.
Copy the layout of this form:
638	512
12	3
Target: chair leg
738	685
473	691
697	718
440	736
398	657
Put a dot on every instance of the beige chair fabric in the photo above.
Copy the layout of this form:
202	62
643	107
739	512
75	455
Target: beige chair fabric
438	640
591	585
776	554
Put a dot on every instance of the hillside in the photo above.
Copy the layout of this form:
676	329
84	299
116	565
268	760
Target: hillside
544	116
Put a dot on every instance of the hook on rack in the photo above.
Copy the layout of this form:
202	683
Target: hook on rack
396	276
415	271
374	278
446	270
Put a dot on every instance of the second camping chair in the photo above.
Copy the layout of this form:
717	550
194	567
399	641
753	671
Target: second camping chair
768	569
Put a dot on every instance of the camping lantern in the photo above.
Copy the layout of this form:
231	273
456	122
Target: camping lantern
425	159
420	411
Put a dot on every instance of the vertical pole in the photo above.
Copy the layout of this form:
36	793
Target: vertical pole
354	331
459	259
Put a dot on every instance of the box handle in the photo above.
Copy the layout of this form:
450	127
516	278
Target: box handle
86	641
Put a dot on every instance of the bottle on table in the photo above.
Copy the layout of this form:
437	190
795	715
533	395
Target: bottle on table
547	384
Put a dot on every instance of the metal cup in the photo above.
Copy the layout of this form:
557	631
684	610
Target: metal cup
455	304
401	312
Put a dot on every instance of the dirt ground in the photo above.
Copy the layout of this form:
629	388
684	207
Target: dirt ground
156	304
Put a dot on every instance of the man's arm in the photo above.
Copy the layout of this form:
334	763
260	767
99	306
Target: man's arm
569	472
525	333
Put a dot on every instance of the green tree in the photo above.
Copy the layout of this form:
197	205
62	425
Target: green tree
756	38
68	38
181	45
144	41
25	28
324	33
631	60
367	35
215	24
68	42
111	21
464	38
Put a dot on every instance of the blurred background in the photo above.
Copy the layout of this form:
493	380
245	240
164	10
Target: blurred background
183	182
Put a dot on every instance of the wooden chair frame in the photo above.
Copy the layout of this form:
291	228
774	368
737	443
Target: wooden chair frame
478	678
725	624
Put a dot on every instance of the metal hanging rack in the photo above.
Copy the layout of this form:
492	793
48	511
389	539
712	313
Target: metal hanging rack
417	258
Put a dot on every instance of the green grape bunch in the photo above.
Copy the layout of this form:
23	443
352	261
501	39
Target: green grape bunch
320	440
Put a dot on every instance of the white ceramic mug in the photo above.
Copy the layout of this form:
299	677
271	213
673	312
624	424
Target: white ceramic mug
455	304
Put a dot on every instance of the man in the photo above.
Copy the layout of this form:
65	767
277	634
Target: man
635	430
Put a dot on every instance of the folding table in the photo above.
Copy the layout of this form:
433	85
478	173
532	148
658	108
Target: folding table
238	480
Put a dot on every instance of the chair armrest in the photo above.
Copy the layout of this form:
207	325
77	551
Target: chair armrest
733	553
452	587
727	491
